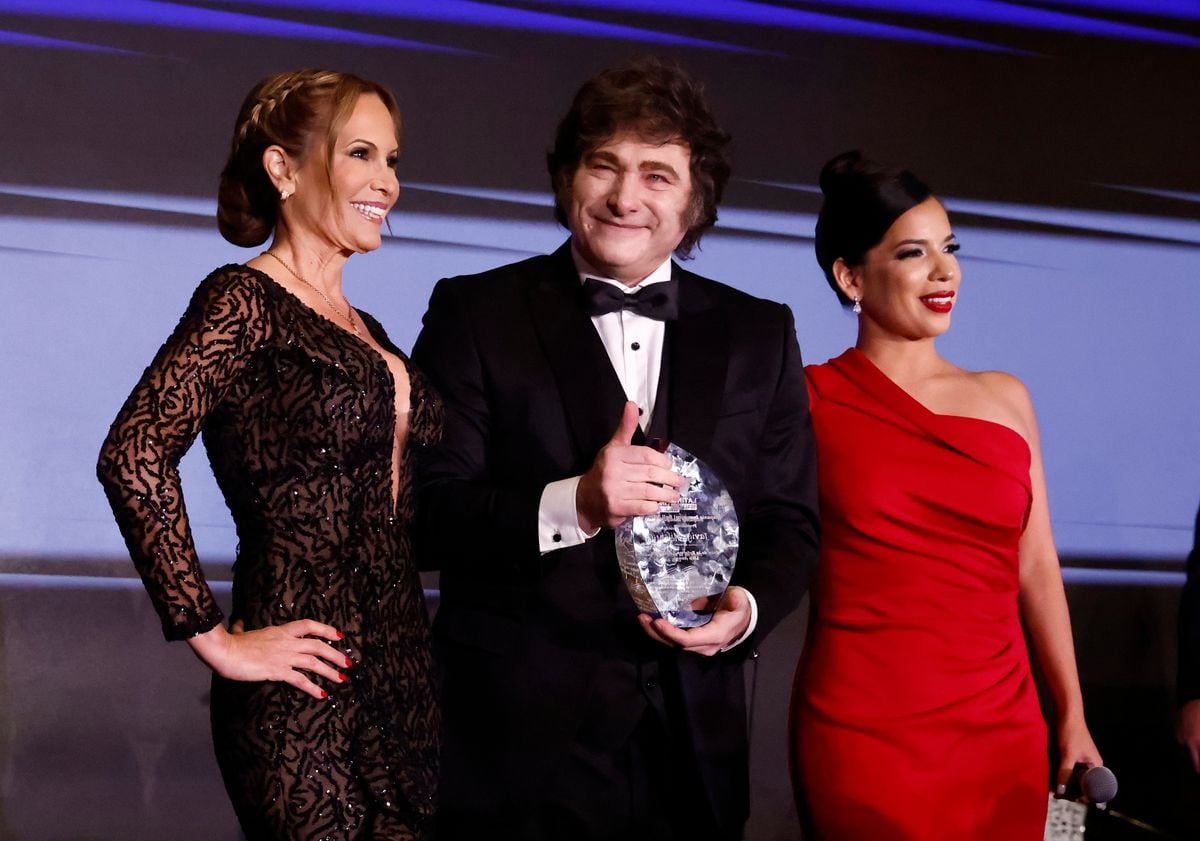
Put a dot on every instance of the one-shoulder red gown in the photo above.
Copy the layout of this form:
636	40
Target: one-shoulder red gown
914	713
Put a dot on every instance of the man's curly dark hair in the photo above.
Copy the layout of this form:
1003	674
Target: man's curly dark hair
659	102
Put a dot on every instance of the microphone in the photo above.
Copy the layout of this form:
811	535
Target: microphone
1097	784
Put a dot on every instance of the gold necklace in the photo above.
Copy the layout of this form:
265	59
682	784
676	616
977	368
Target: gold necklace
349	316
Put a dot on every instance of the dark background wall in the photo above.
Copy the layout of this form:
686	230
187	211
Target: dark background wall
1062	136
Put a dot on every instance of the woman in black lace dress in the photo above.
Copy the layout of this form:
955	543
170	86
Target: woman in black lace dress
323	709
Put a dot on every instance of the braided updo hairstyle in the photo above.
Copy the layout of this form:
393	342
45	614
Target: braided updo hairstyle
862	200
298	111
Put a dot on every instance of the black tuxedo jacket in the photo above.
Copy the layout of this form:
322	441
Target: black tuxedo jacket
1189	627
539	650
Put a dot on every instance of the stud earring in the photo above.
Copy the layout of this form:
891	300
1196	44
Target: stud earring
284	195
857	308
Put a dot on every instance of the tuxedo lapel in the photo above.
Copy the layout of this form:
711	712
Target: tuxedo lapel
698	344
592	396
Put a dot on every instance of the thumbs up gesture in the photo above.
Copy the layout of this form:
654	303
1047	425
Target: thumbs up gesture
624	480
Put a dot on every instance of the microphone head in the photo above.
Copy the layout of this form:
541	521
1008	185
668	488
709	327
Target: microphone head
1098	784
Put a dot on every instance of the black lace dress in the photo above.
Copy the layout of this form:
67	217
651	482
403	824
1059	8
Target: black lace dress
299	420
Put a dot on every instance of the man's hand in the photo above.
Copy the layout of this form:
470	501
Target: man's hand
729	621
624	481
1188	731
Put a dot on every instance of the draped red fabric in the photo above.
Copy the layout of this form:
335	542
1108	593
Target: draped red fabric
914	712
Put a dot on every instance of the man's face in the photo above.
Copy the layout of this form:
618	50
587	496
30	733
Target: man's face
628	204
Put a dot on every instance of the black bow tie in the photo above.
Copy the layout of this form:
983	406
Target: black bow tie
659	301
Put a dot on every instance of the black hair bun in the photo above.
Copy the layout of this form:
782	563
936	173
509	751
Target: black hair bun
846	166
862	200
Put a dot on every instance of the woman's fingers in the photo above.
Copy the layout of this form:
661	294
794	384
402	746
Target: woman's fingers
312	628
301	682
325	651
314	664
313	667
311	656
298	653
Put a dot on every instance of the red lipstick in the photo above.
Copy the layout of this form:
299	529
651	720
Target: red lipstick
940	302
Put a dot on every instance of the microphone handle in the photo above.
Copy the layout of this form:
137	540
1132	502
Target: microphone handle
1074	790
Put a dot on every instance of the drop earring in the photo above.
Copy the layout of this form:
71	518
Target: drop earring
857	308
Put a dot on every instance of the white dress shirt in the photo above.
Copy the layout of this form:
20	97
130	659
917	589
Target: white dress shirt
634	344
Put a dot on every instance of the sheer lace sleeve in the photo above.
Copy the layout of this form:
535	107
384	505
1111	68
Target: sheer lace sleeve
138	467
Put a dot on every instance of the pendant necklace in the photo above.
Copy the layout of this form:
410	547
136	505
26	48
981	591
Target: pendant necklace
349	316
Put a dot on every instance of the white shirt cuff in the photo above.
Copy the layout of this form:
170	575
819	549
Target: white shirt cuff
749	628
558	520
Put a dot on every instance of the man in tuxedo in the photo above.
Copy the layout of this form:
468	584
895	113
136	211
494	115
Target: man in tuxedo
567	714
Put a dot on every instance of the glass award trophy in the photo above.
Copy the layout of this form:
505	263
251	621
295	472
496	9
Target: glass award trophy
1066	820
678	562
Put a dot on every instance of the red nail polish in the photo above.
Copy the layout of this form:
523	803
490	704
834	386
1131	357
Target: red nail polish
341	677
324	694
349	662
341	636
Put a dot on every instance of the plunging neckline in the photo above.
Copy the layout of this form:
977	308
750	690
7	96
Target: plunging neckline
378	361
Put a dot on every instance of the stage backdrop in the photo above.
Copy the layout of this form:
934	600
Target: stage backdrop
1061	134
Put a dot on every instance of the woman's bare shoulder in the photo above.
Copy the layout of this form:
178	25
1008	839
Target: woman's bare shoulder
1009	395
1002	384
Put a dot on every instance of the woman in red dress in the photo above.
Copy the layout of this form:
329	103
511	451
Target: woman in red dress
915	716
